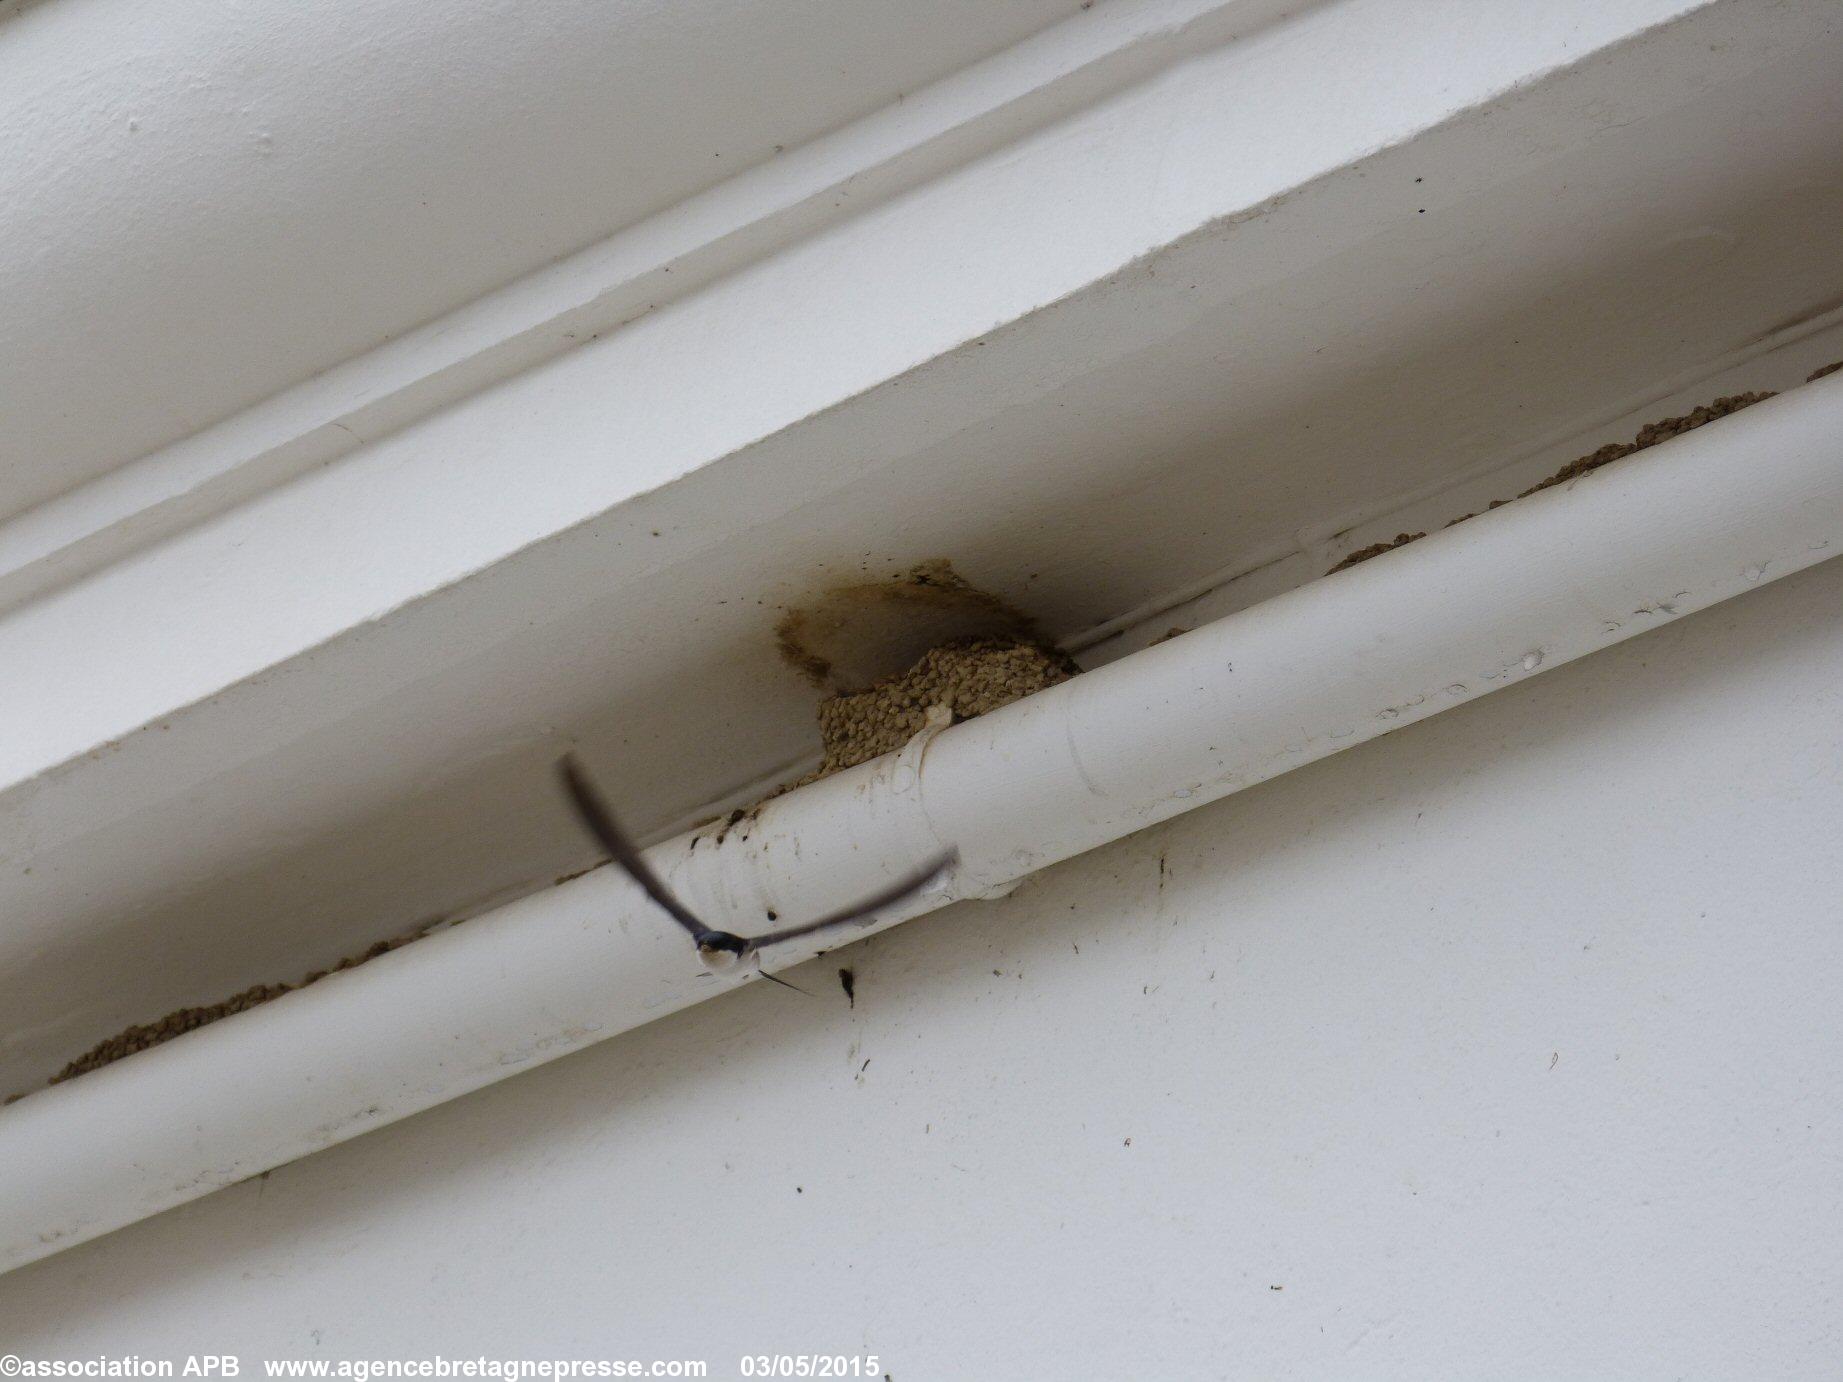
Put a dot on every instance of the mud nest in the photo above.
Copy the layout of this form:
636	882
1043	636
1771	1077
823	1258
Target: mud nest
178	1023
970	676
1650	435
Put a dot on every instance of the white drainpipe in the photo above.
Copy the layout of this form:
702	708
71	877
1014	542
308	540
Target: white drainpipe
1466	611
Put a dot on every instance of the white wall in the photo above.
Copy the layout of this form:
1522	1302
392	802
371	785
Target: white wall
210	200
1505	1045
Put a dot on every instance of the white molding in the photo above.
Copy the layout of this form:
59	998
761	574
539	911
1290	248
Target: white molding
207	204
599	289
984	243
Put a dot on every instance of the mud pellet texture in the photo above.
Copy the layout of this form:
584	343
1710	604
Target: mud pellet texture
143	1035
969	676
1649	435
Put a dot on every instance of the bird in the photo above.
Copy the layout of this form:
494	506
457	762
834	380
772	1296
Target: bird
723	950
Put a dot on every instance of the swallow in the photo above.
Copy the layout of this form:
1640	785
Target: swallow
723	950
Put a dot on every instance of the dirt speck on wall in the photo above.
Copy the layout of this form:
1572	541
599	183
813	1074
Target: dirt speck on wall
850	635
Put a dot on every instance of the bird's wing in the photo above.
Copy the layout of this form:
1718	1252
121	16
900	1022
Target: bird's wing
596	816
863	911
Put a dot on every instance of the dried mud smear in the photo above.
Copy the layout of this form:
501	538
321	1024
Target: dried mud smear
1650	435
924	605
145	1035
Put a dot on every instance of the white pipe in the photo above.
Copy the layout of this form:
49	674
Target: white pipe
1466	611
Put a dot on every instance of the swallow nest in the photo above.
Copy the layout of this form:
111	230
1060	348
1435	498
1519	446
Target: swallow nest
970	676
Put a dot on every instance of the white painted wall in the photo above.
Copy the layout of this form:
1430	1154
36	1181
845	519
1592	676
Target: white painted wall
1505	1046
205	201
